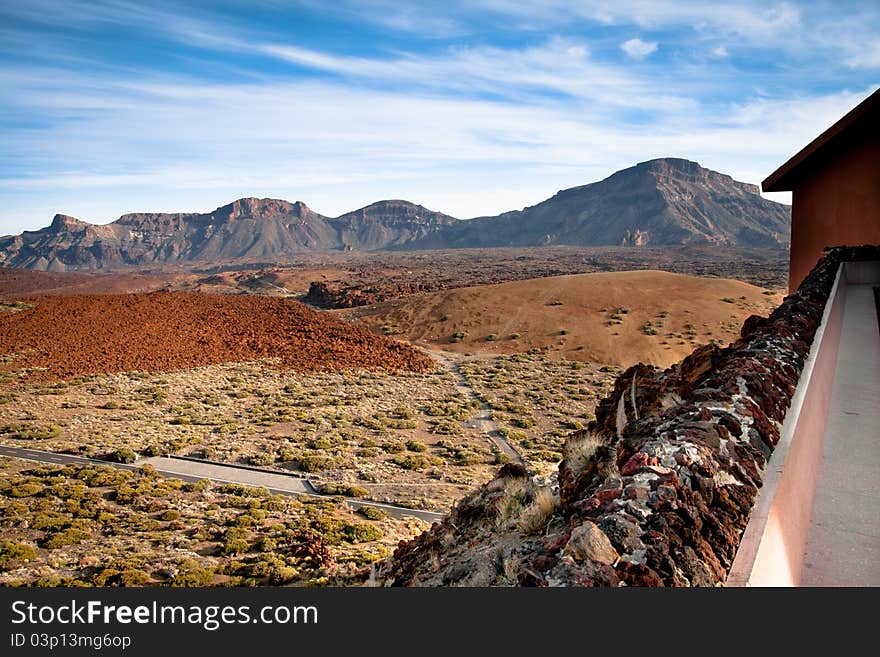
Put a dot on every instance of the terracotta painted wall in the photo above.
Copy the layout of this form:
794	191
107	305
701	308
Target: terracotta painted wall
838	204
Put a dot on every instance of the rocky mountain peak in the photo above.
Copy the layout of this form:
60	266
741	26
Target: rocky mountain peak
64	222
679	170
260	208
395	212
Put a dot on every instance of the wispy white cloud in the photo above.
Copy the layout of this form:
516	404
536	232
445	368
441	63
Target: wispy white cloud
748	19
638	49
468	127
559	66
336	146
868	57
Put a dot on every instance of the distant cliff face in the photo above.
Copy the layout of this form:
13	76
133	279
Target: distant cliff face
247	229
657	203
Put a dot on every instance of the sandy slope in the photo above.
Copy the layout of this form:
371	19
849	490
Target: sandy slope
575	316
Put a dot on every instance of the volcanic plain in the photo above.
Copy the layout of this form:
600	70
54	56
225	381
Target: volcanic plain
405	401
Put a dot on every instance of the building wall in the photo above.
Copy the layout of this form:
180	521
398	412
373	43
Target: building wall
836	204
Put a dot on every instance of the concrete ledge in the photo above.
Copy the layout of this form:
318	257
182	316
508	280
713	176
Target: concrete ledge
771	550
866	272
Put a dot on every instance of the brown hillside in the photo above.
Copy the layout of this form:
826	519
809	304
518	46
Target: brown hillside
619	318
17	283
95	334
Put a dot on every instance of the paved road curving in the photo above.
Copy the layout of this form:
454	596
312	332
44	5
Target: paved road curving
192	470
482	421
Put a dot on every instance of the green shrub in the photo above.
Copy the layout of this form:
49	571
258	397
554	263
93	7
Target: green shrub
310	463
25	489
393	448
13	554
402	413
125	495
411	461
69	536
374	423
447	428
122	455
113	576
458	336
197	486
192	575
235	541
31	432
512	434
362	532
468	457
233	547
47	520
241	489
373	512
401	424
154	450
285	454
416	446
170	514
261	459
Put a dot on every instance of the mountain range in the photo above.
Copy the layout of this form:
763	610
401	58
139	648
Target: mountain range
661	202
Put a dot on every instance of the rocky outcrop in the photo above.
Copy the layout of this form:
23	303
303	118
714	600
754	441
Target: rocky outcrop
322	294
668	472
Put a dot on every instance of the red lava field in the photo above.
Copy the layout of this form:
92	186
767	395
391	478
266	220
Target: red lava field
17	283
95	334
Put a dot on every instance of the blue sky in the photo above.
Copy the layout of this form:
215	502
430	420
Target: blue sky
469	107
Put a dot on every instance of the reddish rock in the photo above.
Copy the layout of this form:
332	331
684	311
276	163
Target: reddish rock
636	462
569	572
633	574
513	471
